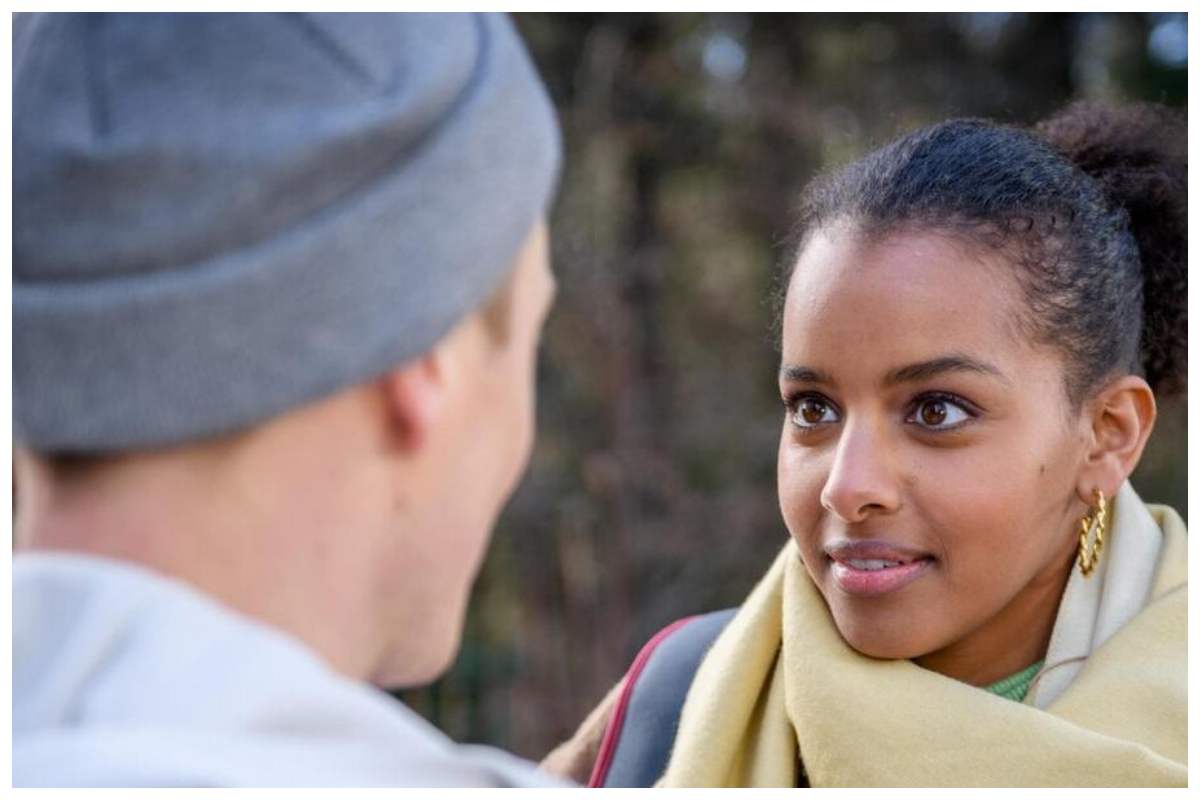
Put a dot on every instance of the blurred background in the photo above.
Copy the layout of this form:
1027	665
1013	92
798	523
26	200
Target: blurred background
651	493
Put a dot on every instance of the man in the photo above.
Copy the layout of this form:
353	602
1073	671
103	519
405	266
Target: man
278	282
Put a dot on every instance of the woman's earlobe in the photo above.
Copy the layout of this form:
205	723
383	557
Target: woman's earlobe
1122	418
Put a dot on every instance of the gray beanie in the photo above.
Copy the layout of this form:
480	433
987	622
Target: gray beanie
217	218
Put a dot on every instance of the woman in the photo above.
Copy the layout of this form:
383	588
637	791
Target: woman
976	324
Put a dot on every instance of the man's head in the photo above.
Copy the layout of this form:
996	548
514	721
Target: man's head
279	279
457	429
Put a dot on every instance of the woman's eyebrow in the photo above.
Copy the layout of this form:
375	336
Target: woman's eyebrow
796	374
954	362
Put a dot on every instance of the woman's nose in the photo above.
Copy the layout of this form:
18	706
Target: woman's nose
861	479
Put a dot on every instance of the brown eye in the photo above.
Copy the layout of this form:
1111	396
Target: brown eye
933	413
812	411
938	414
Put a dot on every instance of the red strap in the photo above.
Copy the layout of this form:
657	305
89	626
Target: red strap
612	733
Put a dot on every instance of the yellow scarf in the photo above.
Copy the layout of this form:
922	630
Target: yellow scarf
780	685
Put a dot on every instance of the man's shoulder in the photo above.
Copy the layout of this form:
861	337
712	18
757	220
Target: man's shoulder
122	677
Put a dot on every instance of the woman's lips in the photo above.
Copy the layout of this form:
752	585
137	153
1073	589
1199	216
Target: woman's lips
872	568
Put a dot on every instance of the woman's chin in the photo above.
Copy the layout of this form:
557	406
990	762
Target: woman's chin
877	641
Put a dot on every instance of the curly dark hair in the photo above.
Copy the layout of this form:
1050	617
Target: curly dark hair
1091	206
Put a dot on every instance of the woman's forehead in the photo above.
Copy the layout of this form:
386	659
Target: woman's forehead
906	298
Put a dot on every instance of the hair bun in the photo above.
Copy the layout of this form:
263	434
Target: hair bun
1138	154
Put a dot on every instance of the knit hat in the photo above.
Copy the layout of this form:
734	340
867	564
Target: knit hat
217	218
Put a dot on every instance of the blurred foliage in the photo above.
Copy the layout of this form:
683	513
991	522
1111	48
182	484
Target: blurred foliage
651	493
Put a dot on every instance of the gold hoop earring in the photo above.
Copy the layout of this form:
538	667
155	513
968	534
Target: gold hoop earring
1095	520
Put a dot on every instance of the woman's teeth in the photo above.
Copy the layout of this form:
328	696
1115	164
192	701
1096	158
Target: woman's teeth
871	564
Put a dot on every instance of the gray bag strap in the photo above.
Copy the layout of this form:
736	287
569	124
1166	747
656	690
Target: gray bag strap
637	743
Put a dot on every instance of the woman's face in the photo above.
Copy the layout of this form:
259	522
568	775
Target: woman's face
928	459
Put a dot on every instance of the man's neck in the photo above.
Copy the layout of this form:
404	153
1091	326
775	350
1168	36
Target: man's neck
194	519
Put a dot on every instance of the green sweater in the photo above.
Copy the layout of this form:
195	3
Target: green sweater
1015	687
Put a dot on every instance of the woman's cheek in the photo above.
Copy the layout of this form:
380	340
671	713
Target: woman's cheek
800	487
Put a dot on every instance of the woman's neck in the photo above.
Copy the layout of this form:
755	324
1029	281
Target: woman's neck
1012	640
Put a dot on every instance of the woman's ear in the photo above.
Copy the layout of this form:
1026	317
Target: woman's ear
1122	416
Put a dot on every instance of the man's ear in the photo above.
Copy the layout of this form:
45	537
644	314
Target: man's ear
1122	416
414	396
